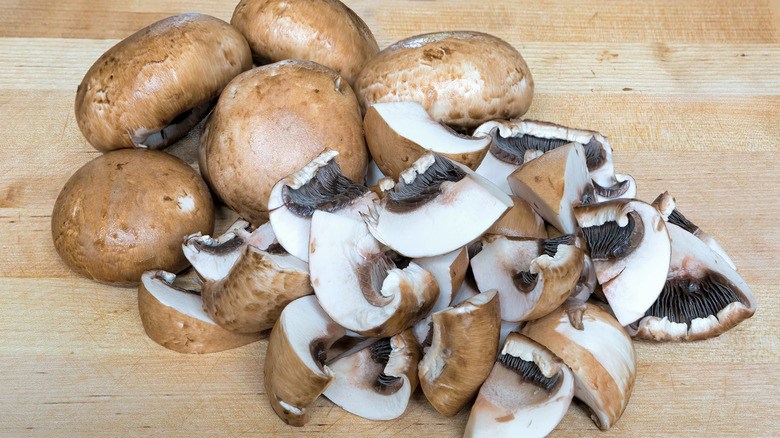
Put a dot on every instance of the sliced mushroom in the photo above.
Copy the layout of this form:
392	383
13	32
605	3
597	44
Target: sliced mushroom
630	249
437	206
533	276
527	393
174	317
462	351
358	285
295	373
553	183
702	298
520	221
449	270
599	352
376	379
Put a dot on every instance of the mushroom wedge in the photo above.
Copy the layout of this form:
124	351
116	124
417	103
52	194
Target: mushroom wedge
398	133
630	249
295	373
533	276
320	185
437	206
449	270
702	298
520	221
526	394
463	348
599	352
358	285
376	379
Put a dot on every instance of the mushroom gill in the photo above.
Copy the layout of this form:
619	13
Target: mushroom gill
415	189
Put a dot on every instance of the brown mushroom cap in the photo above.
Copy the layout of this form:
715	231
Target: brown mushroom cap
127	212
154	77
462	78
273	120
323	31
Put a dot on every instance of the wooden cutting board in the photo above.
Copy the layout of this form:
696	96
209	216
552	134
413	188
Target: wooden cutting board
688	92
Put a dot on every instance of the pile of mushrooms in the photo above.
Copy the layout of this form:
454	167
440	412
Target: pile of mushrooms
401	225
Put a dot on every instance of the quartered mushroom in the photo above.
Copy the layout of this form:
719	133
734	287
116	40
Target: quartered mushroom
320	185
449	270
358	285
295	373
174	318
630	249
702	298
553	183
519	221
599	352
533	276
526	394
375	379
667	205
463	348
398	133
437	206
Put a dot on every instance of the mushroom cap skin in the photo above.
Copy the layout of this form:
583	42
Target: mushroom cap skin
600	354
693	259
270	122
462	352
398	133
519	221
323	31
154	77
449	270
461	78
294	372
126	212
510	404
633	278
174	318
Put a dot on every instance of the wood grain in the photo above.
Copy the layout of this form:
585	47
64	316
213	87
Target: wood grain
688	93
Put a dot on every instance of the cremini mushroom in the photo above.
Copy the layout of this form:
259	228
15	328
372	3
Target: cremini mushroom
295	373
152	87
463	348
519	221
526	394
449	270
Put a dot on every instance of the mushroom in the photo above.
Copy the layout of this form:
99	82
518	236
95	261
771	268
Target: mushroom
667	205
702	298
599	352
449	270
463	347
526	394
461	78
630	249
376	379
358	285
323	31
398	133
295	373
319	185
533	276
553	183
270	122
126	212
519	221
437	206
154	86
174	317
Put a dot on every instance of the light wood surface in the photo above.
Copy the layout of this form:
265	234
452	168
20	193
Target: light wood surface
688	92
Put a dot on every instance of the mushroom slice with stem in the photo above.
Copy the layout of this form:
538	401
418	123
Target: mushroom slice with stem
437	206
174	317
358	285
398	133
463	348
599	352
520	221
630	249
533	276
295	373
702	297
375	379
526	394
553	183
320	185
667	205
449	270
